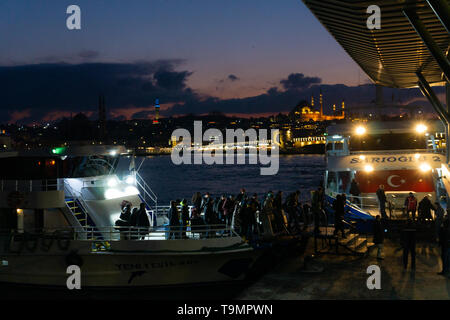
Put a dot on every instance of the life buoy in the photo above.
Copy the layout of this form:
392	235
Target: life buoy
27	238
46	243
74	259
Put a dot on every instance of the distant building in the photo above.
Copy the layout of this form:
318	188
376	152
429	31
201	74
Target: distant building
304	112
156	121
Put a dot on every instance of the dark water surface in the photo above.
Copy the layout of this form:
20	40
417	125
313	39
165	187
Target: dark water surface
170	181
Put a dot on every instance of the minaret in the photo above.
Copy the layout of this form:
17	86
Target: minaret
343	108
321	103
334	109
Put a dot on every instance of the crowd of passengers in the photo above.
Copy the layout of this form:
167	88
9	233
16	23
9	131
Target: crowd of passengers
244	213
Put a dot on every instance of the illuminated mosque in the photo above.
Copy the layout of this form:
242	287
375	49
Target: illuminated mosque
304	112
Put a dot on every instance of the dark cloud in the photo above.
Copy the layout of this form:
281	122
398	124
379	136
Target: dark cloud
233	78
43	88
298	81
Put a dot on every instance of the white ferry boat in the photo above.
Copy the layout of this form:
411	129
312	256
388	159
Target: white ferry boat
403	156
58	208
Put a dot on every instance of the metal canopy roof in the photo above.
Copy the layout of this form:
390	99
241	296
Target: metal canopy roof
392	55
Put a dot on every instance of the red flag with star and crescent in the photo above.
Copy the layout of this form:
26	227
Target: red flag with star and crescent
395	180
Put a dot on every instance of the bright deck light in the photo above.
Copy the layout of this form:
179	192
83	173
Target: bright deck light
360	130
129	180
113	152
112	182
368	168
112	194
425	167
421	128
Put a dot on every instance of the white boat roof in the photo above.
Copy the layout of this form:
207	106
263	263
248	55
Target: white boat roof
70	150
378	127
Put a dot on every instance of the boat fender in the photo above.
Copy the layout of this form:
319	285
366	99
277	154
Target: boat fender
46	244
30	239
63	244
74	259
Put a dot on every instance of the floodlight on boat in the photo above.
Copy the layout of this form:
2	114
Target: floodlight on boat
113	193
368	168
421	128
130	180
113	153
425	167
360	130
131	191
112	182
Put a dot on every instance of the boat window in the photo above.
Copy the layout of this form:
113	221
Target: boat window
389	141
36	168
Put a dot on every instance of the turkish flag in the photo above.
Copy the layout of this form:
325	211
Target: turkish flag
395	180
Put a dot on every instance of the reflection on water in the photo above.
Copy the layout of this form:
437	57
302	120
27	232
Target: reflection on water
169	181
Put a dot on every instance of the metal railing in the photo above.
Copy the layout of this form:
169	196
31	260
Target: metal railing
31	185
115	233
146	192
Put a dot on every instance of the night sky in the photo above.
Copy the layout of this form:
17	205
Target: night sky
242	57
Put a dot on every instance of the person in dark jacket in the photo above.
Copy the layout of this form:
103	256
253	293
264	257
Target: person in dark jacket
381	196
355	192
339	211
174	220
408	239
124	222
228	208
197	201
143	222
184	216
208	211
378	236
134	217
444	243
425	207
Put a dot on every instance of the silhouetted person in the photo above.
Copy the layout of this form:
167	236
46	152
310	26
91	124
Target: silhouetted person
425	207
228	208
134	217
339	211
197	201
408	239
184	216
381	196
174	220
143	222
411	206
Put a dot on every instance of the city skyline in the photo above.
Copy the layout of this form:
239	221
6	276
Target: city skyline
237	57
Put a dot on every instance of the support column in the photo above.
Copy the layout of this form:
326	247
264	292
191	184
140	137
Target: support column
442	11
427	39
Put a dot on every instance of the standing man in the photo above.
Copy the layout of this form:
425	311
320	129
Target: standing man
439	214
408	239
316	206
411	206
381	196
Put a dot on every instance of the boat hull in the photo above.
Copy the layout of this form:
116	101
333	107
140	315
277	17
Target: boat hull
129	269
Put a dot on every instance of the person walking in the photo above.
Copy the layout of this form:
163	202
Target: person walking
316	208
425	207
338	207
411	206
381	196
408	239
378	236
